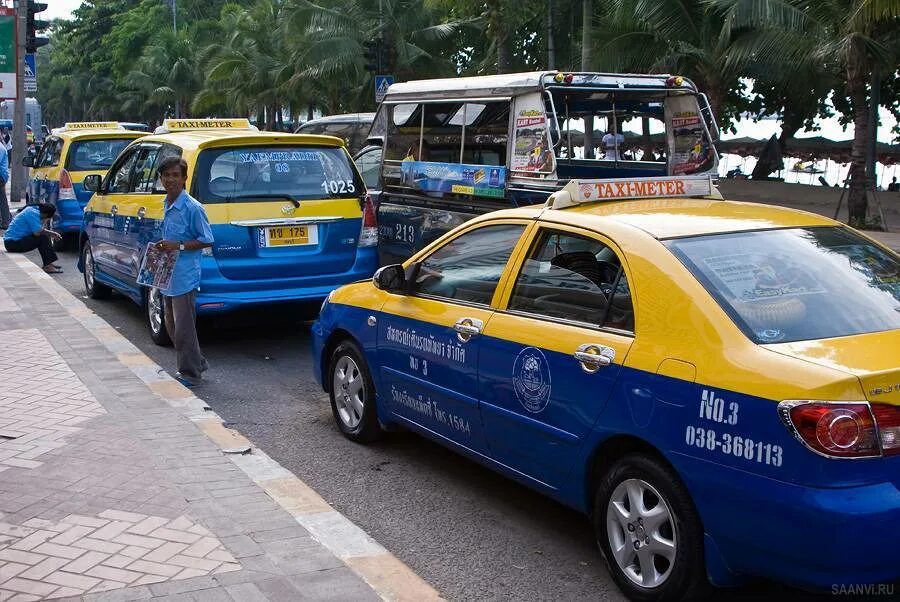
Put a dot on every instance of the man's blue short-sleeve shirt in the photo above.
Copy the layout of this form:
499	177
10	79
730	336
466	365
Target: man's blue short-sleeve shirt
24	224
184	220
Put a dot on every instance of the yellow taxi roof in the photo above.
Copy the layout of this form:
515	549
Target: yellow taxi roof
99	133
198	139
676	217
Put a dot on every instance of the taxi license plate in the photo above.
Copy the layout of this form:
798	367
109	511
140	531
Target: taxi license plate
285	236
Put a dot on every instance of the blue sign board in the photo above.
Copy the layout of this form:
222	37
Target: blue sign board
459	178
382	83
30	74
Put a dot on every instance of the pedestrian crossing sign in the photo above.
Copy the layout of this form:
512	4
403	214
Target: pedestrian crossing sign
382	83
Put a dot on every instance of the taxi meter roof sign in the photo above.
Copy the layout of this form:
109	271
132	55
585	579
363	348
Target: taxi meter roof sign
176	125
92	125
588	191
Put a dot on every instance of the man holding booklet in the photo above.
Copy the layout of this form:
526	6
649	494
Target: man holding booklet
185	231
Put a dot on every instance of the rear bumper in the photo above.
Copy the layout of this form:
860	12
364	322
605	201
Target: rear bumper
219	295
70	214
808	537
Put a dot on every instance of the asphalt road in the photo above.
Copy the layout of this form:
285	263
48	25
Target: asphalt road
466	530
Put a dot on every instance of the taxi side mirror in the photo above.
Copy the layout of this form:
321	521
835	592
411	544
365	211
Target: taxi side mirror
390	278
28	161
92	183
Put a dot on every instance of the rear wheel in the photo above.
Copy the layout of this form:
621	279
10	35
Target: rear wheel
94	289
155	313
649	531
353	394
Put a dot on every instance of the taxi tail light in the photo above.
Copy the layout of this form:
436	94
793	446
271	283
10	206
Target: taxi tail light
66	189
368	237
887	417
834	429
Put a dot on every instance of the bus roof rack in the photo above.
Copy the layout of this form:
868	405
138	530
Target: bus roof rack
578	192
183	125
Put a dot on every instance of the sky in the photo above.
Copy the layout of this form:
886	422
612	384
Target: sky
60	9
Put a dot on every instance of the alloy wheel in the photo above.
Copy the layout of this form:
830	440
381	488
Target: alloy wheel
641	531
349	391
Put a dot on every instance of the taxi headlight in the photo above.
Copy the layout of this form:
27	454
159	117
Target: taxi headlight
325	302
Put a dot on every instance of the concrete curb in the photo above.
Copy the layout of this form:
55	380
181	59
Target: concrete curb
387	575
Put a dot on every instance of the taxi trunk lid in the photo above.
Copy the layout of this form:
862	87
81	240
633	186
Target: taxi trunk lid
265	240
871	357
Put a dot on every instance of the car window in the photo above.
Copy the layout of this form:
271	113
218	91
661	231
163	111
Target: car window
94	155
468	267
797	284
573	278
153	183
263	173
144	174
369	165
119	178
50	153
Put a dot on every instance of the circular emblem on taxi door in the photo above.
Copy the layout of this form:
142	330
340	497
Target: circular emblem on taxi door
531	379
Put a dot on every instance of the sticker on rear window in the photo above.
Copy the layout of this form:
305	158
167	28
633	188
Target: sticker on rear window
753	276
338	186
261	157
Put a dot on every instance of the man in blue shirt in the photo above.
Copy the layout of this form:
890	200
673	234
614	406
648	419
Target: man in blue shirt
26	233
185	229
5	217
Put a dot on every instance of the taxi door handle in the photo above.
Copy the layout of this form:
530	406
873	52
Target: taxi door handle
466	328
114	209
592	357
142	212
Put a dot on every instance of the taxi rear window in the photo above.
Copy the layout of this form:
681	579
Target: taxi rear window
797	284
246	174
93	155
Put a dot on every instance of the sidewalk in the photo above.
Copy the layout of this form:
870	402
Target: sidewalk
117	483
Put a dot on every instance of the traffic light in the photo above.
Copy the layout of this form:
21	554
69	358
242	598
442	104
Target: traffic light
372	54
388	57
32	26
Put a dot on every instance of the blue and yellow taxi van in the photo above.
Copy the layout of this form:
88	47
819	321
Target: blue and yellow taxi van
289	213
68	156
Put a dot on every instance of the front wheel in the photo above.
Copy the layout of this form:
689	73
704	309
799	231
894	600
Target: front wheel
94	289
155	312
353	394
649	531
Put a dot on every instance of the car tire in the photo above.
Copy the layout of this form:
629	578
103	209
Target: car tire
353	394
93	288
155	316
671	566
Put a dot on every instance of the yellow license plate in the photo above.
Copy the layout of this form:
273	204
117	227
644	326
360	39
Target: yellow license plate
283	236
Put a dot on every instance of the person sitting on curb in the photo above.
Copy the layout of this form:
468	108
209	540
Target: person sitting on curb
26	232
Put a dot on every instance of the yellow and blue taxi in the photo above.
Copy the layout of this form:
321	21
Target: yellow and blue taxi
289	213
716	384
68	156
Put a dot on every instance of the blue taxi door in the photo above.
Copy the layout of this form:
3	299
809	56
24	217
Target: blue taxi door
429	340
551	354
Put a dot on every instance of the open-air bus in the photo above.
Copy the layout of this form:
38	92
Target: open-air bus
454	148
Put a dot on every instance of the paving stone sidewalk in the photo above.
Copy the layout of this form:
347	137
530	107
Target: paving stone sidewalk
115	483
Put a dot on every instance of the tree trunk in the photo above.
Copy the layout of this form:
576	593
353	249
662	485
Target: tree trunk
587	10
857	203
587	18
551	47
503	52
310	111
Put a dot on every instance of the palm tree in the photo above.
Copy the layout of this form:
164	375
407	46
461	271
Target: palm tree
849	38
167	73
329	44
687	37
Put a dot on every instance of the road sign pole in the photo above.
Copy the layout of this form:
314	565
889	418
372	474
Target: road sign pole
18	172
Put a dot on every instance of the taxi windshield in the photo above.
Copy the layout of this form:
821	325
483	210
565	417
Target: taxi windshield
797	284
262	173
93	155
